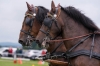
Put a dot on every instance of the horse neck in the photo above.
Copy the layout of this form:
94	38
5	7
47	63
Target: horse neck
53	45
71	29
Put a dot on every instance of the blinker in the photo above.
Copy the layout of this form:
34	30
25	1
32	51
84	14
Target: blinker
28	21
47	22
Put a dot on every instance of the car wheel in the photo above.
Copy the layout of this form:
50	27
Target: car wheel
32	58
0	55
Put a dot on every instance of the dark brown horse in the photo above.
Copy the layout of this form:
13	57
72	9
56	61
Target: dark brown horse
79	33
31	25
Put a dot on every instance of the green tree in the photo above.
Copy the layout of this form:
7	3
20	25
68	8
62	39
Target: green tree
34	45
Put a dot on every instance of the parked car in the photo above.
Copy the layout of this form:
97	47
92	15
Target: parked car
38	54
19	52
4	51
29	53
32	54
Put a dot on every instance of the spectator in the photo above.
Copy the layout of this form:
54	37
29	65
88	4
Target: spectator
10	51
19	52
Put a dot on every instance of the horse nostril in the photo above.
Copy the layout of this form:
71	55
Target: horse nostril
20	41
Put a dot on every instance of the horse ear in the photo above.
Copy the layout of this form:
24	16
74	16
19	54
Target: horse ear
58	5
28	6
32	5
52	6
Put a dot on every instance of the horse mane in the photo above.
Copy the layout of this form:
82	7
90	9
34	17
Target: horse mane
76	15
42	12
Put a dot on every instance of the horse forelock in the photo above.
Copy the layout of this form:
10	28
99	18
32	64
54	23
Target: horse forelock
80	18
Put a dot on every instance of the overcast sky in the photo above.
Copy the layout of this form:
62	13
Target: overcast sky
12	14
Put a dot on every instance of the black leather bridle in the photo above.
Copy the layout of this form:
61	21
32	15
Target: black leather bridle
49	19
29	22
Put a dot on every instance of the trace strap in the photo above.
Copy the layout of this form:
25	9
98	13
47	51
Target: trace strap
54	53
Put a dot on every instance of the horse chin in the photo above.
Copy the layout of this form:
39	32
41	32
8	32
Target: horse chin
26	44
23	44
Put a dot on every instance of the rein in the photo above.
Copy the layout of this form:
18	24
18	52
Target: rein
54	54
74	37
70	38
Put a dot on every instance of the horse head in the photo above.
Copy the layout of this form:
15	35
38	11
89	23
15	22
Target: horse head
34	17
51	26
26	35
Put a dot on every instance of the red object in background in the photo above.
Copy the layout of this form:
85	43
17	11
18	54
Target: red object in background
40	62
43	52
15	61
20	61
10	50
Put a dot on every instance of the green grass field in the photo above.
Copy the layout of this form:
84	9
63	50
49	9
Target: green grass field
4	62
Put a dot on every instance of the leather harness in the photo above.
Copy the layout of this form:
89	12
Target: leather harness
71	54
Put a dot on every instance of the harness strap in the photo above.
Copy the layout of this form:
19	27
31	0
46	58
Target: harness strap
57	47
83	52
43	31
69	51
53	56
25	32
28	33
70	38
80	42
92	46
29	15
57	55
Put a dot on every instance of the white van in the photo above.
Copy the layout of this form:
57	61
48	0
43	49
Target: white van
33	54
4	51
30	53
38	54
